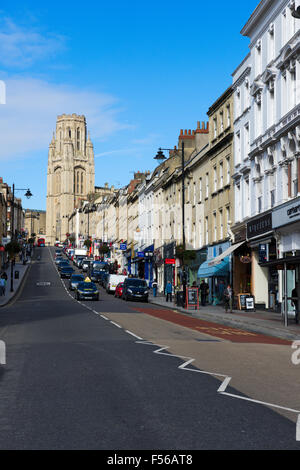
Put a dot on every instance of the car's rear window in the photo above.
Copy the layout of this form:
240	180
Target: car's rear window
136	283
87	286
77	278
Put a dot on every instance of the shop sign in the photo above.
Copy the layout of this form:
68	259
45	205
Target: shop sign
259	226
123	246
170	261
140	254
287	214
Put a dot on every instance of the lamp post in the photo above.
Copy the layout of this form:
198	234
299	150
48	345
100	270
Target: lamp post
296	13
28	195
160	156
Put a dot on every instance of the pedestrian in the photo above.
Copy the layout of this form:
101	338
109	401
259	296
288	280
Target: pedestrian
154	287
4	275
168	291
228	298
203	292
2	286
295	301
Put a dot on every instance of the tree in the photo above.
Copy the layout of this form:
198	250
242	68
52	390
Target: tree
88	243
185	255
72	239
12	248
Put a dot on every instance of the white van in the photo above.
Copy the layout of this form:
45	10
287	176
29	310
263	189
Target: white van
112	282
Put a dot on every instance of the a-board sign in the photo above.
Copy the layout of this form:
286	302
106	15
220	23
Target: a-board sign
250	303
192	297
242	300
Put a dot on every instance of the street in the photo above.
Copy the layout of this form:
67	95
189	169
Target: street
107	375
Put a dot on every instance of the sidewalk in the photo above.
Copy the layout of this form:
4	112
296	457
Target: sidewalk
261	321
4	299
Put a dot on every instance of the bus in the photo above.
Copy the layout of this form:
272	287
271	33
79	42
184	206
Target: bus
41	242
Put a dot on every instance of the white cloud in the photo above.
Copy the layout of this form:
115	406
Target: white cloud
21	47
29	116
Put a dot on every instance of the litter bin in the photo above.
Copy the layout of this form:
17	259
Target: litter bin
179	299
17	274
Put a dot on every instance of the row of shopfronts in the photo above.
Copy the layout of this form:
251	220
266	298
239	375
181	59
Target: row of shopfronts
263	261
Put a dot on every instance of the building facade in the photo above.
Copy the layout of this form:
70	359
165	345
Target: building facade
71	173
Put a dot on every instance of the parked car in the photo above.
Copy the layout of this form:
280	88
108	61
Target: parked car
80	262
135	289
63	264
75	279
87	290
119	290
103	278
100	265
86	265
95	276
112	281
66	272
77	260
59	259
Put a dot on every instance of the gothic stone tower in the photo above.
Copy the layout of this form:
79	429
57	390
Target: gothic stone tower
71	173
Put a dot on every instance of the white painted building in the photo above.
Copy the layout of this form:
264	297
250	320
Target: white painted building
267	130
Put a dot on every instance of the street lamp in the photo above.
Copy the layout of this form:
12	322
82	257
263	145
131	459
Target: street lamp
28	195
296	12
160	156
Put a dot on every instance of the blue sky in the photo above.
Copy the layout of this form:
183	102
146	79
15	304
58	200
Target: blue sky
138	71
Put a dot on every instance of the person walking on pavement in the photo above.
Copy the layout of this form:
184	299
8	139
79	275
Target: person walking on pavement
203	292
228	297
295	301
154	287
169	291
2	286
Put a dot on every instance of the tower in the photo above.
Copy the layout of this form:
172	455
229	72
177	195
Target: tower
71	173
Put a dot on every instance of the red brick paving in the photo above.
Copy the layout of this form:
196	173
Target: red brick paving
234	335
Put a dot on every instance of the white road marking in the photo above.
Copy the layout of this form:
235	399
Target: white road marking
298	429
224	384
132	334
116	324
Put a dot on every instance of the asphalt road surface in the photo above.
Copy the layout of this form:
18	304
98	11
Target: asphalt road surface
77	378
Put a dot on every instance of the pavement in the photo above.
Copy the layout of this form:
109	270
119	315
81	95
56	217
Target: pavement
17	283
261	321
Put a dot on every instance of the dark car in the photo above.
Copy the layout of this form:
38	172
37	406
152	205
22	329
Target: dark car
63	264
103	278
87	290
135	289
95	276
75	280
66	272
